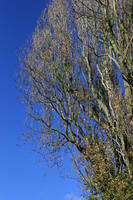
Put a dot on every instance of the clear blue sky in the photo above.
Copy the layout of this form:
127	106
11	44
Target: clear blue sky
20	177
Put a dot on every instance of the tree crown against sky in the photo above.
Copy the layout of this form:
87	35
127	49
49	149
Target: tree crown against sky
77	82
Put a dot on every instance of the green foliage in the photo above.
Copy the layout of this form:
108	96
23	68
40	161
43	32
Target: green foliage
120	187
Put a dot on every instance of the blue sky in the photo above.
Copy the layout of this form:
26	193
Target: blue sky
20	177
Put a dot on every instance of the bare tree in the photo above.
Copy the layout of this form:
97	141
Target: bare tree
77	82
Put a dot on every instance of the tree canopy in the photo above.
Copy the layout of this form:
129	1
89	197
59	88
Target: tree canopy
77	81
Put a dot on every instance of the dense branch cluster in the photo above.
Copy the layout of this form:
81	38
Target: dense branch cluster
77	81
